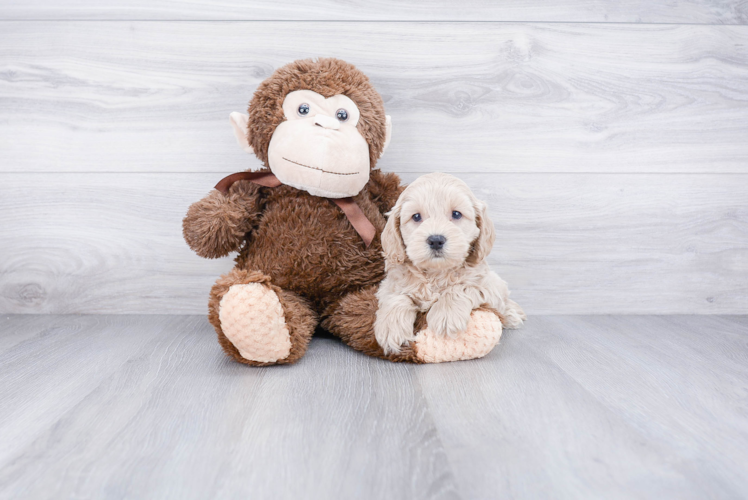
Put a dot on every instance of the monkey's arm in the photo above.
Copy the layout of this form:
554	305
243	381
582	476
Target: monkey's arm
385	188
217	224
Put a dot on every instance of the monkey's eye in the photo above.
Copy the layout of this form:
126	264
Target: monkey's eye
456	215
342	115
303	109
417	217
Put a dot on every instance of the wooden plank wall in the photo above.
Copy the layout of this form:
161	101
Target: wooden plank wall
609	138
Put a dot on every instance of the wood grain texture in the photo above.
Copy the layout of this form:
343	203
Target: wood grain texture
625	11
28	407
177	419
464	97
599	407
568	407
582	243
20	329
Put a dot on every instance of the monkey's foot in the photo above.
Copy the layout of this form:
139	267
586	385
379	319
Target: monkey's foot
482	334
252	319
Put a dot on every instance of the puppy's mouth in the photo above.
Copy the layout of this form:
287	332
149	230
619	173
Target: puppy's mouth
437	254
320	169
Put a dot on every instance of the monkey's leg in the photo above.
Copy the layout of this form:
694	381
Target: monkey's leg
257	322
481	335
352	319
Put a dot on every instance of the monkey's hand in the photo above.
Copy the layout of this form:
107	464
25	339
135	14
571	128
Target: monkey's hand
217	224
384	189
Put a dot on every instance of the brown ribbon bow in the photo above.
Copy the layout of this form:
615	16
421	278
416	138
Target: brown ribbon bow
350	208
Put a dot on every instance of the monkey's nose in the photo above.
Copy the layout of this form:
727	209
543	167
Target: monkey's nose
327	122
436	241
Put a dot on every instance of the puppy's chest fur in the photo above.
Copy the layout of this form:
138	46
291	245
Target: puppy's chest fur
425	290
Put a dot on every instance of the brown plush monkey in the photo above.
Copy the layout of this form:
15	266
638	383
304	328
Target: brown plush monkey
307	226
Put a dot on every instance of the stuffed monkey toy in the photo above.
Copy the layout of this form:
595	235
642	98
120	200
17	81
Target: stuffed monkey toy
307	226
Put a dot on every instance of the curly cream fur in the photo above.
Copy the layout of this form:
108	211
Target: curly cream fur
450	283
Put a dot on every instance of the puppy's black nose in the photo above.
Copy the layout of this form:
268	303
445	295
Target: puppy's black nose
436	241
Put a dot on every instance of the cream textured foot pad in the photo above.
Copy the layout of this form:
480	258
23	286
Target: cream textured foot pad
252	319
482	334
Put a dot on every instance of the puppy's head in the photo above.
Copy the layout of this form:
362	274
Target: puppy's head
437	223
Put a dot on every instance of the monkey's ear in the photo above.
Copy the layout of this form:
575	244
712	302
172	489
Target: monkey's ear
239	123
387	134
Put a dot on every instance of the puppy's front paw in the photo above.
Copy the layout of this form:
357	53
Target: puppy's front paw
444	321
391	335
391	338
393	325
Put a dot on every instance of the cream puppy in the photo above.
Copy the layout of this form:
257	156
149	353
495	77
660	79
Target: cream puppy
435	244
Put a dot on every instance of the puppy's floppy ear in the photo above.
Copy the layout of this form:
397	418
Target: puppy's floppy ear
392	240
483	244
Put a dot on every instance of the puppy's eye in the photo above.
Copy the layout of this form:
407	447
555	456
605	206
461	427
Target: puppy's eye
417	217
456	215
342	115
303	109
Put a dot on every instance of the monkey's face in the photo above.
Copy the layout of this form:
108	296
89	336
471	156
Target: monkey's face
318	147
325	146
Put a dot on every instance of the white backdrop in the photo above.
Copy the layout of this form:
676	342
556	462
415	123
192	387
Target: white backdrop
612	151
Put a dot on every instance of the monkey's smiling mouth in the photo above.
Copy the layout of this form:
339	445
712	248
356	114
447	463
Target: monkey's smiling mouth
316	168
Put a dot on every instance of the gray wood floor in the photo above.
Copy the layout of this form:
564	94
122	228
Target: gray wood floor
569	407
